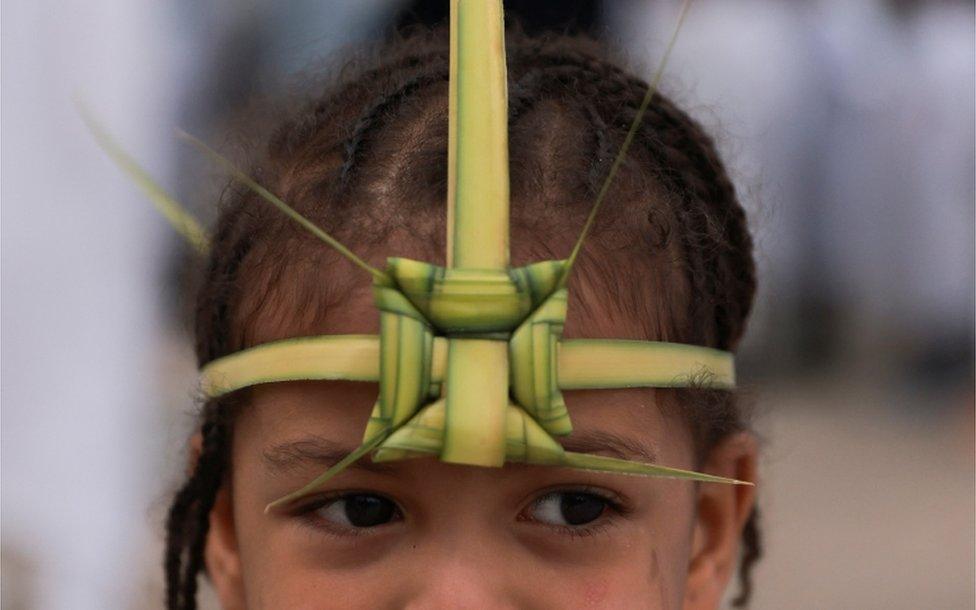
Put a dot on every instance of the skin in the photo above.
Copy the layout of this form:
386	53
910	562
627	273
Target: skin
471	537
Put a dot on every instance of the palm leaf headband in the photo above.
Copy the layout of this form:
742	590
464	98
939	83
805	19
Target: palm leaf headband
470	358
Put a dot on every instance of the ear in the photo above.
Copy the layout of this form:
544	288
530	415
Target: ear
722	511
220	553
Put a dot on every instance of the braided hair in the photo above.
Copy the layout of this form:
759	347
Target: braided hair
370	152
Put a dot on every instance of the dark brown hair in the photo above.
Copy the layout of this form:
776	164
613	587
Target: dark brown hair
366	159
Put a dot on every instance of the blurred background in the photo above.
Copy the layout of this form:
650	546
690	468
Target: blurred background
849	127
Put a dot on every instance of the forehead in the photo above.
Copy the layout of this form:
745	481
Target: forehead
336	413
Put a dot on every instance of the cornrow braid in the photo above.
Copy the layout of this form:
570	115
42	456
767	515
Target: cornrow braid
189	516
402	63
717	226
751	554
232	242
716	242
319	157
373	116
687	161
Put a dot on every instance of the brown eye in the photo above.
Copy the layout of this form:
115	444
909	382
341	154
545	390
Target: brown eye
359	510
569	508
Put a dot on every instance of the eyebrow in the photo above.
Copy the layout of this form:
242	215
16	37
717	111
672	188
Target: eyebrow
317	450
324	452
609	444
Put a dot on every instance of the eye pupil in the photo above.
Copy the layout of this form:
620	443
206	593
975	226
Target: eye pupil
368	511
580	508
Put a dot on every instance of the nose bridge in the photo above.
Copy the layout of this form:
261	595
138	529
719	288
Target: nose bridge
461	567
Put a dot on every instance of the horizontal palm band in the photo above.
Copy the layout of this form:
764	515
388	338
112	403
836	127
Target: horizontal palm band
582	364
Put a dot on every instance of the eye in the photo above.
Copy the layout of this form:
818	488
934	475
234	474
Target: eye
358	510
569	508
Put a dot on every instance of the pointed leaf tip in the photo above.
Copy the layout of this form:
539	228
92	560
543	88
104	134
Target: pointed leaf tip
601	463
178	217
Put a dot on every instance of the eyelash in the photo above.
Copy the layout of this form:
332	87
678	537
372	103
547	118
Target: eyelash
307	509
615	505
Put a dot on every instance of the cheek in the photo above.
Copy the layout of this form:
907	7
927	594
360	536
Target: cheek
271	583
283	566
635	580
641	565
609	588
650	567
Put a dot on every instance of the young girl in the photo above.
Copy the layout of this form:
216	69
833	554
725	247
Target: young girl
669	259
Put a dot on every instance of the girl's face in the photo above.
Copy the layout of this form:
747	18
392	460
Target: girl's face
425	534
